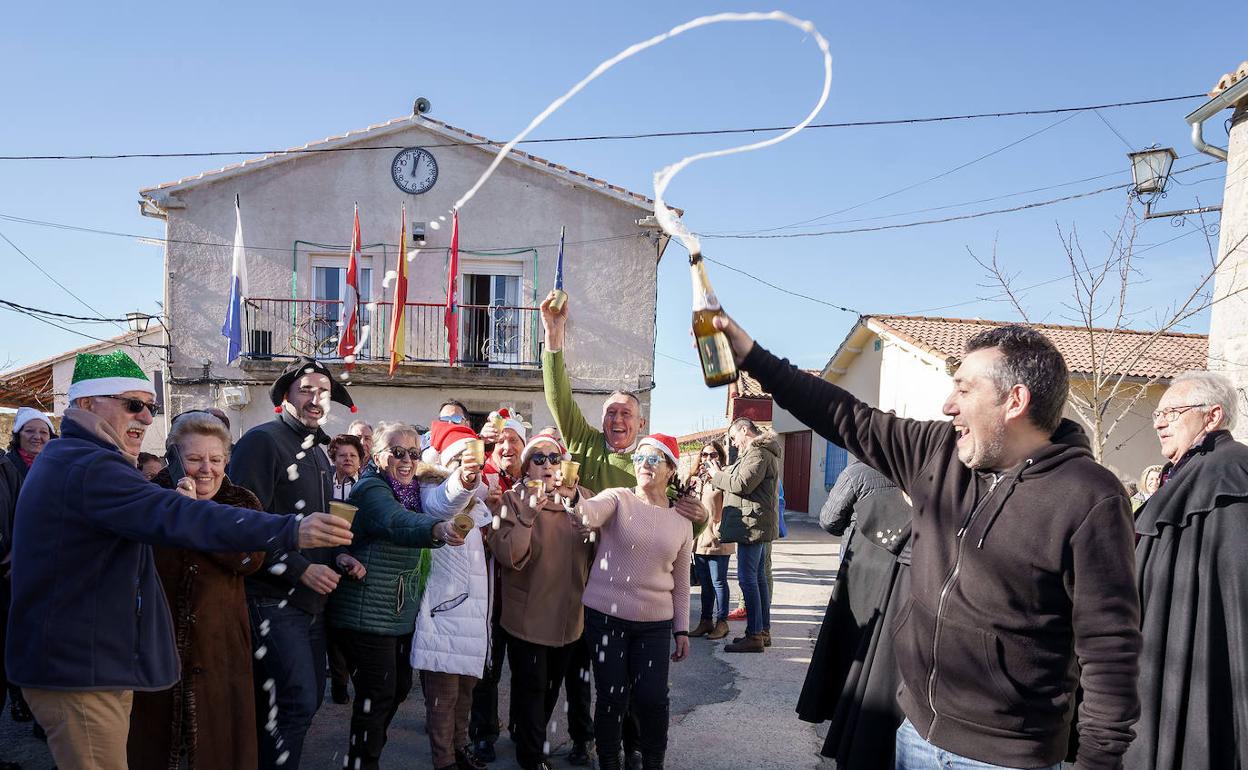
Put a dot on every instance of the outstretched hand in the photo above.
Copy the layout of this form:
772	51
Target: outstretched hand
322	530
737	338
554	323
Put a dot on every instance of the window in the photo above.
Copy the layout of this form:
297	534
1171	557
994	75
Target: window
490	330
318	322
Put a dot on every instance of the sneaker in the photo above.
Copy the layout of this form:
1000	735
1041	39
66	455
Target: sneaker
484	750
580	753
719	631
737	614
748	643
465	759
702	628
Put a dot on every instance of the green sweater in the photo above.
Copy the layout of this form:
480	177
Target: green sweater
601	468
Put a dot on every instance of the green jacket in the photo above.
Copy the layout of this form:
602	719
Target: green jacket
751	493
601	468
391	542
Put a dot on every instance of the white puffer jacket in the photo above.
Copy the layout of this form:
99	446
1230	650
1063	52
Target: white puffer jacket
453	627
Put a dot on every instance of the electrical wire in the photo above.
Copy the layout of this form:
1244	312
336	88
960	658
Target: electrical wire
25	309
615	137
49	276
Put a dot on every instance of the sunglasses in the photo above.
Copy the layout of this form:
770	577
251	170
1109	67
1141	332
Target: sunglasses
454	419
403	453
554	458
712	455
136	405
651	460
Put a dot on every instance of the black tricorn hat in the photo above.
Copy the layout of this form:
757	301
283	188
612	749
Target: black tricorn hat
304	365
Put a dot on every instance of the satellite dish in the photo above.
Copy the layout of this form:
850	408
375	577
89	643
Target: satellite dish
421	106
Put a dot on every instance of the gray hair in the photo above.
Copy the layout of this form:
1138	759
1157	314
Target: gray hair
746	424
197	424
388	431
1212	389
356	423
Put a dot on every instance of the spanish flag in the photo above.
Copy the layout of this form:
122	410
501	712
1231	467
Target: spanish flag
398	340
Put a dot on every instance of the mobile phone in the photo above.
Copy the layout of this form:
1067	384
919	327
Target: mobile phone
173	461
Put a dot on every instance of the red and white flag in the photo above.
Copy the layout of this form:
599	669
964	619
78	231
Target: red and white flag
349	336
451	316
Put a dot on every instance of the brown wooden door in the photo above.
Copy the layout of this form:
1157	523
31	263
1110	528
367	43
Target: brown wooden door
797	471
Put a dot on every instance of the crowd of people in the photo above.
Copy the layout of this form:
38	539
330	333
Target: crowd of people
997	604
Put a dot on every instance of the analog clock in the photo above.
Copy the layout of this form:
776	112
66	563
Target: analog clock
414	170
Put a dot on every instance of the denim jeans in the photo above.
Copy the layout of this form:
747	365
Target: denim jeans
713	579
914	753
294	660
630	675
754	587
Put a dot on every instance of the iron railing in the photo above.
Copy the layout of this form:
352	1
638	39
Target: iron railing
497	336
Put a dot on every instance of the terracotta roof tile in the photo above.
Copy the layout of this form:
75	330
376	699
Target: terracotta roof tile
1230	79
1167	356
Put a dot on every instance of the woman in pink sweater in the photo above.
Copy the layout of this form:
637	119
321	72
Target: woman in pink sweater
637	600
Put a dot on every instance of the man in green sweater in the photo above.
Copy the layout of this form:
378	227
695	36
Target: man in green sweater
606	458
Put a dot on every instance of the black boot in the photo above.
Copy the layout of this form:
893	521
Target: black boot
580	753
652	761
18	710
609	760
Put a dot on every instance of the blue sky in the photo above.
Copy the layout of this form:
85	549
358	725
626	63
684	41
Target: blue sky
185	77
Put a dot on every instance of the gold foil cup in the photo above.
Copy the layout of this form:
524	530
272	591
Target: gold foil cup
498	423
477	447
462	523
344	511
558	298
571	471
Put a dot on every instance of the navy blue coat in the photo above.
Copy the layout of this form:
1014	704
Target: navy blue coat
88	609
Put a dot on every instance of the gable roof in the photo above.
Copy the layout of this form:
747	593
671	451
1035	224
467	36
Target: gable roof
1118	349
453	135
32	386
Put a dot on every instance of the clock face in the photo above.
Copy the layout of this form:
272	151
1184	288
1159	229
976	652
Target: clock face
414	170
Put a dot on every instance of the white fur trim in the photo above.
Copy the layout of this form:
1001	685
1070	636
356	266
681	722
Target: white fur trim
108	386
647	441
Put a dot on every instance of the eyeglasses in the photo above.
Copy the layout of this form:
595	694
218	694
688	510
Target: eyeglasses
456	419
403	453
136	405
1175	412
651	460
553	458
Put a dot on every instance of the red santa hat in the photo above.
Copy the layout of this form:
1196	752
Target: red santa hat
664	443
450	440
512	421
543	438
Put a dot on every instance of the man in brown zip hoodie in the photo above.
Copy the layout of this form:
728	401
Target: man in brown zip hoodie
1023	577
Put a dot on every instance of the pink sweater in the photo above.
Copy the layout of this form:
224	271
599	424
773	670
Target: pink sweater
641	570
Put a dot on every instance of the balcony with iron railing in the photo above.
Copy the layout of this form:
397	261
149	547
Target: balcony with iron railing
490	336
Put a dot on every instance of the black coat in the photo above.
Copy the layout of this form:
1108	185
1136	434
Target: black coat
13	472
852	679
1192	565
261	462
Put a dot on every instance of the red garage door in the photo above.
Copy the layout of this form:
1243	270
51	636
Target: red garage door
797	471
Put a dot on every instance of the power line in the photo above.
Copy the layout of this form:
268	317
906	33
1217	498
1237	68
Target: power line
25	309
615	137
781	288
39	267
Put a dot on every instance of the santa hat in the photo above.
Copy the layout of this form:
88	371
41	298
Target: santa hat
664	443
543	438
25	414
107	375
512	420
450	440
304	365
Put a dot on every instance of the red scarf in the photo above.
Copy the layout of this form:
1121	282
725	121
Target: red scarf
26	456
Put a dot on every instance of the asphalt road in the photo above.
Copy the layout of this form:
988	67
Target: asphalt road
728	711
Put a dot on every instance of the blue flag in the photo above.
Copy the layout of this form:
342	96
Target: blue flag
232	329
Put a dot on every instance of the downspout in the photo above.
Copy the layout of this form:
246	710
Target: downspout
1225	100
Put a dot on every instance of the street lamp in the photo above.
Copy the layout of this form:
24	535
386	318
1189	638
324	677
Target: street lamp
1150	173
138	321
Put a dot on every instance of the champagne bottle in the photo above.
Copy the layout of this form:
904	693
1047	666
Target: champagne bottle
718	366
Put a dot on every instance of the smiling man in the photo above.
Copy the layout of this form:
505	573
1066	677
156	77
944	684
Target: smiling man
95	626
1023	583
284	464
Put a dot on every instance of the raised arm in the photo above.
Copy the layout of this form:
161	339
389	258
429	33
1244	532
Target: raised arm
744	476
444	500
577	432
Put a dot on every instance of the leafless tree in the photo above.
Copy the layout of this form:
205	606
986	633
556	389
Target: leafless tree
1122	344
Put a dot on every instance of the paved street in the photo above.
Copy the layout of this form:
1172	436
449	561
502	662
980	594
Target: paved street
728	711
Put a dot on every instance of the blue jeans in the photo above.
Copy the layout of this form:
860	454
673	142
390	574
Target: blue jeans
713	578
914	753
754	589
294	661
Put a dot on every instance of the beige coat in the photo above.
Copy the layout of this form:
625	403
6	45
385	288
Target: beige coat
543	561
708	542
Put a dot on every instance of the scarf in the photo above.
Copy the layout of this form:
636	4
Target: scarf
96	425
26	456
408	494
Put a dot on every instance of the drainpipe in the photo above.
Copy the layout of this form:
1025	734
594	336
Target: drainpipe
1225	100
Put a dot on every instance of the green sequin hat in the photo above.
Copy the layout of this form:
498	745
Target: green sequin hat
107	375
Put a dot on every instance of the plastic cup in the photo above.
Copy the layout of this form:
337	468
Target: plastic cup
571	472
462	523
558	298
344	511
477	447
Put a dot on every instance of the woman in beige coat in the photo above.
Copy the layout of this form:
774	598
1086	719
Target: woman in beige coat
710	555
543	560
